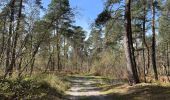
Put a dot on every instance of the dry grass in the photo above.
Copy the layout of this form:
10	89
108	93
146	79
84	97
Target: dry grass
141	91
41	86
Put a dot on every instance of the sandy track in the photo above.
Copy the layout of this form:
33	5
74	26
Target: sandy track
85	88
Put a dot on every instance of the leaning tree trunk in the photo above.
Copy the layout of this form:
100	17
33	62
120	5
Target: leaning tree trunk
32	66
128	44
154	42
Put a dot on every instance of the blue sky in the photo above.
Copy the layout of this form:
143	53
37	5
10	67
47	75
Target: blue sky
87	11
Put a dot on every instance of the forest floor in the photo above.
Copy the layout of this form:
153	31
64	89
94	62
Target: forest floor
37	87
97	88
71	87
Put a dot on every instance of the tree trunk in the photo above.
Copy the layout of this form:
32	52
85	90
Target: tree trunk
11	5
154	42
167	55
144	41
58	51
32	66
128	44
137	55
32	58
49	63
16	39
19	66
3	42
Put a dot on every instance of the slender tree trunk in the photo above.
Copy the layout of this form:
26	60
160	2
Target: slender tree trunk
137	55
19	66
8	49
64	63
132	50
3	37
3	42
128	44
167	55
144	41
16	39
52	66
154	42
49	63
32	58
75	58
58	51
32	66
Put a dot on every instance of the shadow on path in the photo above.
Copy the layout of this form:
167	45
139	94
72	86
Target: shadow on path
87	88
94	88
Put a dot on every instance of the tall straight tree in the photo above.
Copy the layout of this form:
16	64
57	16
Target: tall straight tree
154	40
128	44
144	40
15	38
11	6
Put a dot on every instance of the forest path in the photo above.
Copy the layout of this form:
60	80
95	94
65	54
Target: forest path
98	88
87	88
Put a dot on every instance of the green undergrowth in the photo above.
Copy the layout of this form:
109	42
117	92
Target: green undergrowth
43	86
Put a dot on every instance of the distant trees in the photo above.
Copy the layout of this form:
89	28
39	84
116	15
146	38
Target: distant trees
164	35
128	40
13	34
96	43
138	26
28	39
124	41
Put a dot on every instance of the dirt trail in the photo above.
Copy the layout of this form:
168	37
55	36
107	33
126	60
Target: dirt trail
85	88
90	88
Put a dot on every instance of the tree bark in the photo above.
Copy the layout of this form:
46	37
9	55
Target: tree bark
167	55
58	52
154	41
144	41
32	66
15	39
3	41
144	38
128	44
8	49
